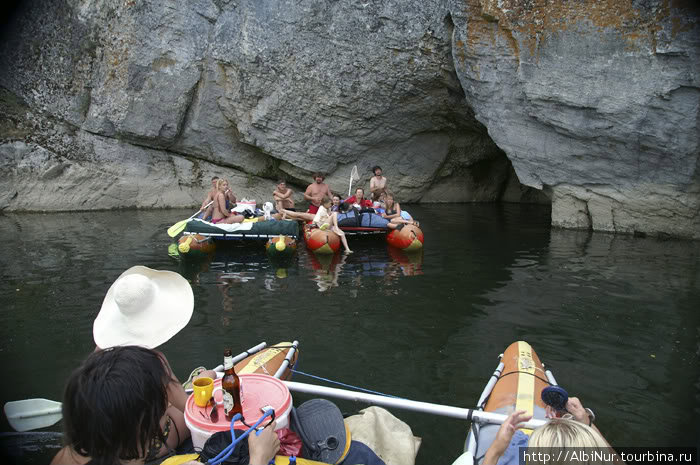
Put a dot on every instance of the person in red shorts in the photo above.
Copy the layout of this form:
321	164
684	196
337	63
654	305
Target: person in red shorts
316	191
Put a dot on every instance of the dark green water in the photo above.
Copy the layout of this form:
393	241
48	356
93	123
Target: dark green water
616	318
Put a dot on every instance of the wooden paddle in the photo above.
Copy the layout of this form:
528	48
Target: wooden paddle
29	414
177	228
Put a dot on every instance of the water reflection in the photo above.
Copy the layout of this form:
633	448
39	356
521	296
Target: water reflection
245	262
596	307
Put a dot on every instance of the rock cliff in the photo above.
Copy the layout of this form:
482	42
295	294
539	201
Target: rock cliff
590	105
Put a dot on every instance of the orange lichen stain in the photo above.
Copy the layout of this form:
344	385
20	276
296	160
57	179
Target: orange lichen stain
459	46
532	21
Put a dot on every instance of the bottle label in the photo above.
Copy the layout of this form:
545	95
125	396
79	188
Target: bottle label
228	402
228	362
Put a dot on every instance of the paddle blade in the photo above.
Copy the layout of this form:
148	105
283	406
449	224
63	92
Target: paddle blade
177	228
29	414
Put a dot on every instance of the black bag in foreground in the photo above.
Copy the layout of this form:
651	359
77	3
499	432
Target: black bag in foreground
220	441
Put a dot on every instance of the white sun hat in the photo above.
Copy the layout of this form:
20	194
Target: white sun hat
143	307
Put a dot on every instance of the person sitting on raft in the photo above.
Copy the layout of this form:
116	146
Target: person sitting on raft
574	430
323	218
393	211
336	200
378	202
114	410
283	196
377	183
208	204
222	213
316	191
358	200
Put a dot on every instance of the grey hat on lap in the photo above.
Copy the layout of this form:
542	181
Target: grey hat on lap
320	425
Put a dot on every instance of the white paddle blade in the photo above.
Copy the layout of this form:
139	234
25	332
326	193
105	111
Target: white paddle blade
354	176
29	414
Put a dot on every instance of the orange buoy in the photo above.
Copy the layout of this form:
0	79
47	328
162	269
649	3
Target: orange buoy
408	238
322	241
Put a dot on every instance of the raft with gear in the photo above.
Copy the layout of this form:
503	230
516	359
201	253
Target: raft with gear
363	223
199	237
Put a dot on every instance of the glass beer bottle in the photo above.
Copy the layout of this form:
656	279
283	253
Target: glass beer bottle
231	387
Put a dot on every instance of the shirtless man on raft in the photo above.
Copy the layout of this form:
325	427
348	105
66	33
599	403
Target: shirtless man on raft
283	197
316	192
377	183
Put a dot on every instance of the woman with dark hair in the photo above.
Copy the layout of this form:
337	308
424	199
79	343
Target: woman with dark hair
114	408
115	411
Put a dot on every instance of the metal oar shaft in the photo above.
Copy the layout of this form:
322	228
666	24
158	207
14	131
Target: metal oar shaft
393	402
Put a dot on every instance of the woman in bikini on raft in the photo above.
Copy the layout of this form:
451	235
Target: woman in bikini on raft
222	214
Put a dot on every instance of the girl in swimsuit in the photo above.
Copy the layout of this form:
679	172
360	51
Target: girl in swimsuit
324	219
393	212
221	213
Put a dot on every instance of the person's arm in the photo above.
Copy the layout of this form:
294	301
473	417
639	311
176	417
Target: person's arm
505	433
231	196
277	195
350	200
580	414
206	201
287	194
177	396
307	194
263	447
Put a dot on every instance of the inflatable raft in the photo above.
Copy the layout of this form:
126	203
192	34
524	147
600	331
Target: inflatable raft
516	384
321	241
257	230
409	238
199	237
195	245
356	223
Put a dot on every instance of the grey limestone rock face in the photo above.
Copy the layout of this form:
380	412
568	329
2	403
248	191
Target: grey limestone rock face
591	106
597	103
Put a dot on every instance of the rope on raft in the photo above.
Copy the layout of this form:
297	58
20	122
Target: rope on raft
357	388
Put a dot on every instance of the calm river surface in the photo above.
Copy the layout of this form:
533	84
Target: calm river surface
616	318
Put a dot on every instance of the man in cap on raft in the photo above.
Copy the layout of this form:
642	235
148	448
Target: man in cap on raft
316	191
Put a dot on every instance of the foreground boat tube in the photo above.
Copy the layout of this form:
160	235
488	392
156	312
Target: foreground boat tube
408	238
195	245
321	241
521	376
